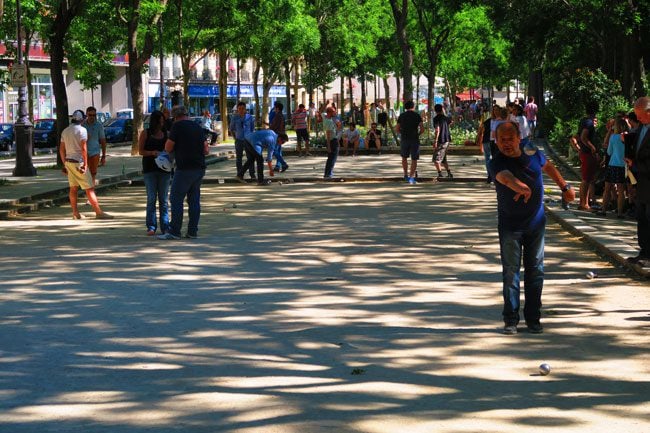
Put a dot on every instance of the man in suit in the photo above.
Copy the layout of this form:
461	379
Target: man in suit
641	157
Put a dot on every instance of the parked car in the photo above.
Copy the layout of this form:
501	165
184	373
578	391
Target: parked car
118	130
124	113
103	116
45	133
6	136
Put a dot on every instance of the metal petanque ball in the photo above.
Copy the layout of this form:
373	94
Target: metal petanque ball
591	275
544	369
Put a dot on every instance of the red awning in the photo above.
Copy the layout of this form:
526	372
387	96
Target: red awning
468	95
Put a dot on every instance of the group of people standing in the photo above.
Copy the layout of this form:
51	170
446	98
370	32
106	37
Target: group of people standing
626	165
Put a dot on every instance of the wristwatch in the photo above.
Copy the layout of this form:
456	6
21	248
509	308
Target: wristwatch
566	188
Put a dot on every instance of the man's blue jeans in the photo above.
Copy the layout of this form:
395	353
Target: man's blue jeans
531	243
239	154
332	155
487	154
157	185
186	183
279	159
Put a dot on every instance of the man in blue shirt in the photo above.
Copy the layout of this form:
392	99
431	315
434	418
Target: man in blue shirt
522	222
256	142
96	142
241	124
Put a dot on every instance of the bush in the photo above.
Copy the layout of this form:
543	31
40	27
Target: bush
574	92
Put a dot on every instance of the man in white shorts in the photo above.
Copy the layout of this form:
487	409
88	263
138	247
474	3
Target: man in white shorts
74	154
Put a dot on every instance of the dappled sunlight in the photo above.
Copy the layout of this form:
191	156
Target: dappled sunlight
322	307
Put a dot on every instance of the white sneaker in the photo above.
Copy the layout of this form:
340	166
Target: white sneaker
168	237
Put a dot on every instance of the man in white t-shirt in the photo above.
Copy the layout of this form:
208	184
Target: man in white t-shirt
351	135
74	154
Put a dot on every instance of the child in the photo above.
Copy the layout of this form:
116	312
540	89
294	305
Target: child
616	169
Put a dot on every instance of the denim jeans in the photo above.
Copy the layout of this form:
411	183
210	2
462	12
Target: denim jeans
512	243
157	185
487	154
239	154
332	155
279	159
254	158
186	183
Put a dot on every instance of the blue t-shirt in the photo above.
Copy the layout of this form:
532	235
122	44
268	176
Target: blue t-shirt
189	141
616	151
263	139
242	125
517	215
95	135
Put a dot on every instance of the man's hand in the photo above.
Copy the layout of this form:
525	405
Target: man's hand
522	191
569	195
102	160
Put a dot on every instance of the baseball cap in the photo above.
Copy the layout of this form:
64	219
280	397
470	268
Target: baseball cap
78	116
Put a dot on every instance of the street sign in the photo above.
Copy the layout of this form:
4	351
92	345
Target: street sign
18	76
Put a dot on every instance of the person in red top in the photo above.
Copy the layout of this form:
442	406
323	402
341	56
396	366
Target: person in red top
531	114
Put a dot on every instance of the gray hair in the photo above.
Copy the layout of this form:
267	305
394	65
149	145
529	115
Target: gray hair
179	111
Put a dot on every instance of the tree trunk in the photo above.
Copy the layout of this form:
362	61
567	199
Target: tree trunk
296	82
223	91
386	93
341	100
57	56
137	59
401	20
238	63
256	80
287	88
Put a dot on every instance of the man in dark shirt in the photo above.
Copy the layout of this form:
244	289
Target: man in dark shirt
441	141
521	223
409	126
187	141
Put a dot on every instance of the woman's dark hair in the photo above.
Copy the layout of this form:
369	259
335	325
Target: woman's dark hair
154	122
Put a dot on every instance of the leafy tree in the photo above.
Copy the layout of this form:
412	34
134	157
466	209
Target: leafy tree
140	18
400	15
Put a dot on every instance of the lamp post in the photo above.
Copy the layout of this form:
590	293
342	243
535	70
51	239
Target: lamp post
23	127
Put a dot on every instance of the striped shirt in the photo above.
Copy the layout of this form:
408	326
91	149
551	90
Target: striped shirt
299	119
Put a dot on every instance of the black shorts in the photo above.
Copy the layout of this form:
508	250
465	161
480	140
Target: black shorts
302	134
410	149
615	174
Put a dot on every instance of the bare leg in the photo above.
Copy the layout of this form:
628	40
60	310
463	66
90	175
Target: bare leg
414	167
405	166
92	198
72	195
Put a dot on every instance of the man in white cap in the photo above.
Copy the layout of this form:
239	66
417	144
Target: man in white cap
74	154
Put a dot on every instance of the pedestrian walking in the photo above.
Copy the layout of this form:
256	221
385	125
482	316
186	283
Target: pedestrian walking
74	154
410	126
96	142
641	158
331	125
156	180
521	223
241	124
442	138
187	141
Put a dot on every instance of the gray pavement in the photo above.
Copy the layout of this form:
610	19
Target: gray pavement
613	238
310	307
